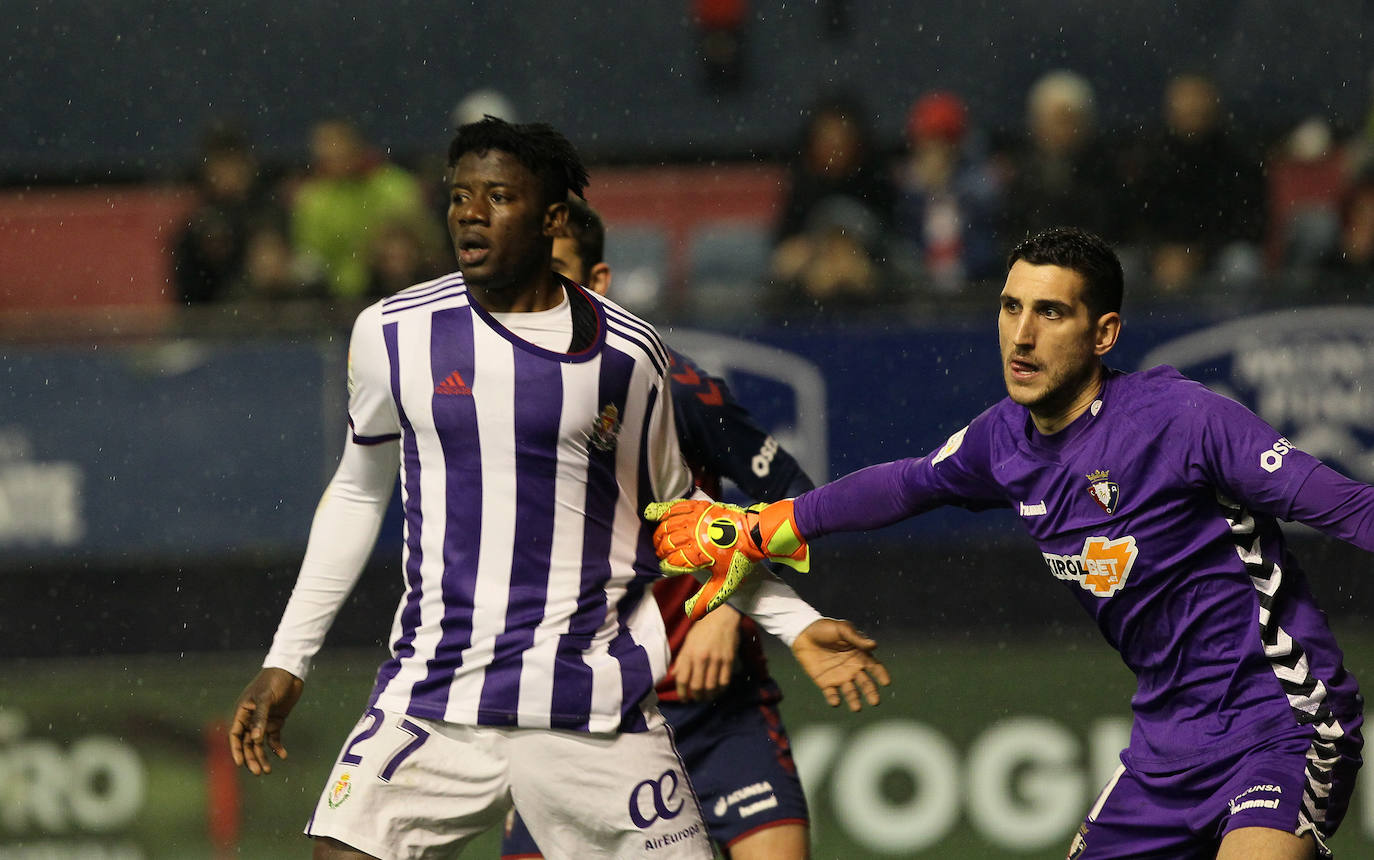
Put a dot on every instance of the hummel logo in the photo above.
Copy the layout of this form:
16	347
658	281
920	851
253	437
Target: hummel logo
453	384
1033	510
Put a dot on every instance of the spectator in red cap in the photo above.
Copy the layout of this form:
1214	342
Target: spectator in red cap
948	198
939	115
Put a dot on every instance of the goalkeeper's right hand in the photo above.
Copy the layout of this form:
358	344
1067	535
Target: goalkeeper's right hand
695	534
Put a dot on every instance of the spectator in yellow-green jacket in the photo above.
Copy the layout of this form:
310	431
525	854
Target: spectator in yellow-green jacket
350	192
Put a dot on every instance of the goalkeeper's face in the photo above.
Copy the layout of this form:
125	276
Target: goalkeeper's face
1051	343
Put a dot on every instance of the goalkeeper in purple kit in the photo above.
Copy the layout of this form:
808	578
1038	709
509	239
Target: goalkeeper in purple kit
1156	503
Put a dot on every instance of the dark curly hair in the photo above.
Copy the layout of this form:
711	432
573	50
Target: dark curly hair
536	145
1080	251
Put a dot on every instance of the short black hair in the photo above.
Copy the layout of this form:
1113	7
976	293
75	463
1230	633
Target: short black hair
586	228
1080	251
536	145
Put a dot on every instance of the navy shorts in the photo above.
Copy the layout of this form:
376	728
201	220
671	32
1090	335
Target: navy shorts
739	759
1184	815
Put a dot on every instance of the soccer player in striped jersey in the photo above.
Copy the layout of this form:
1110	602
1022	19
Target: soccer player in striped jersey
718	695
529	420
1156	503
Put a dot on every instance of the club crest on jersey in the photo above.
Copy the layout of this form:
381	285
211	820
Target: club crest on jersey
1103	491
1102	567
606	429
340	792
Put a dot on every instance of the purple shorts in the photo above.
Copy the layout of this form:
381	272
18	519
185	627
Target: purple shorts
1185	814
739	759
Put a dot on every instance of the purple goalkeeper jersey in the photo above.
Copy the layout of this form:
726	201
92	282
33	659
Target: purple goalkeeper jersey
1158	510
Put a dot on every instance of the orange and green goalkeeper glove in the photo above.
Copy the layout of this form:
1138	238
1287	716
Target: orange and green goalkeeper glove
697	534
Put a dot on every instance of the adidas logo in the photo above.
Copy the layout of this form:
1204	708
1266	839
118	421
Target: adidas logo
453	384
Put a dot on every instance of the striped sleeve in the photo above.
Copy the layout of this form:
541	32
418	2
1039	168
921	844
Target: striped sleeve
668	474
667	469
372	414
345	527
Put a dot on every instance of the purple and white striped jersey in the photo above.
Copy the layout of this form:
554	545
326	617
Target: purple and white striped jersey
1158	509
523	474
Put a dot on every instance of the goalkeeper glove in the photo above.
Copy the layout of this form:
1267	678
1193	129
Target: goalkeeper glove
696	534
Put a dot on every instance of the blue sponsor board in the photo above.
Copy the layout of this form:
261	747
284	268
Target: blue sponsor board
184	448
1308	372
899	390
193	448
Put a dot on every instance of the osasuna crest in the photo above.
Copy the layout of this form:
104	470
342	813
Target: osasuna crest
1103	491
606	429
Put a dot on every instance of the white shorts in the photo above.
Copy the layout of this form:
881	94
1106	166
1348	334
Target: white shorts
406	787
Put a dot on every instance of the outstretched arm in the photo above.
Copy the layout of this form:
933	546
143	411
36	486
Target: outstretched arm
870	498
1336	505
697	536
840	660
341	537
726	540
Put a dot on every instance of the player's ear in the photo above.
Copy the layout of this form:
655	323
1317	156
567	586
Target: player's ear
1108	330
555	219
599	279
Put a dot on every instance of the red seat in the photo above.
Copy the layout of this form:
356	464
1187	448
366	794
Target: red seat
1296	187
88	248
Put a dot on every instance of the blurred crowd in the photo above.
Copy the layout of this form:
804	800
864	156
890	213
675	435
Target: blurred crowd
351	225
1198	211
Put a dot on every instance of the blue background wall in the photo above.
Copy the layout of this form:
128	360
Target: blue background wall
157	480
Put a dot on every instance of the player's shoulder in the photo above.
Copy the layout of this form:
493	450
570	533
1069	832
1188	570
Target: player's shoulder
684	361
630	332
1000	417
688	373
698	392
368	323
977	440
1160	392
617	313
1006	416
1160	378
426	297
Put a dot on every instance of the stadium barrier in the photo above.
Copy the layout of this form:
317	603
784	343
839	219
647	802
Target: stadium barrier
154	497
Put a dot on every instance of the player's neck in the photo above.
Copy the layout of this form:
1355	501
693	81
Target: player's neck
1050	421
545	293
